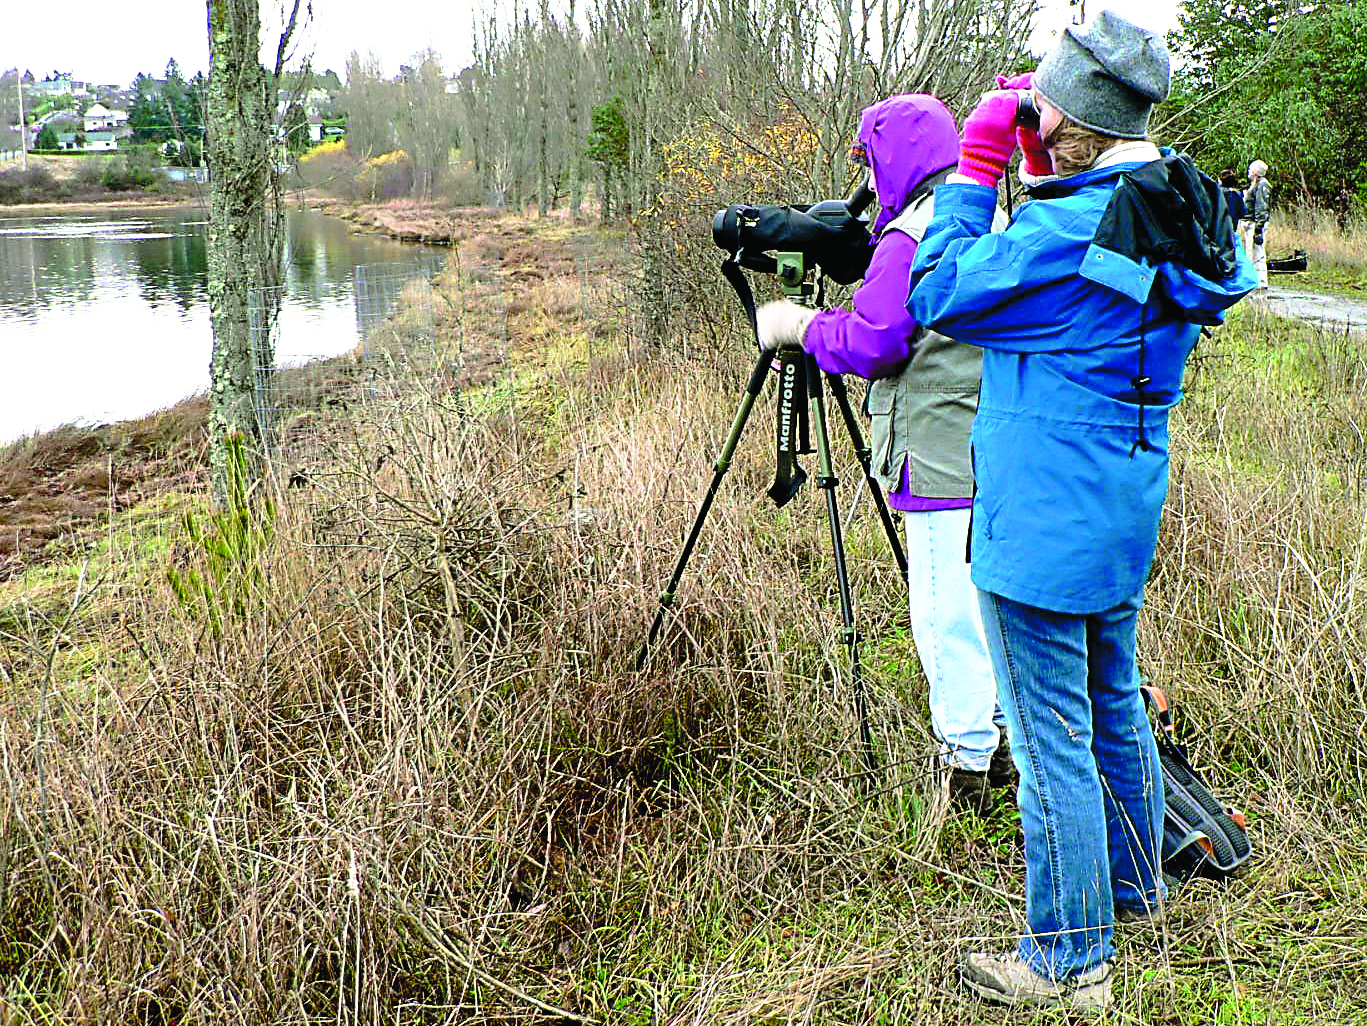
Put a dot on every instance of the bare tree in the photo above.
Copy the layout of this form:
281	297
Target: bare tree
245	237
426	121
729	70
372	105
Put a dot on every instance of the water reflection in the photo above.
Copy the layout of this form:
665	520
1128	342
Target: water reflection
105	316
170	269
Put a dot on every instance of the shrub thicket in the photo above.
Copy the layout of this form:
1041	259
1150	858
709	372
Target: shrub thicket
416	776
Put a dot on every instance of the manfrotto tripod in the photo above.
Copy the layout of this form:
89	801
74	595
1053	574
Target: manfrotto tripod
801	405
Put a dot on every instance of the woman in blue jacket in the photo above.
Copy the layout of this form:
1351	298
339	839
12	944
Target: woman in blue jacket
1087	308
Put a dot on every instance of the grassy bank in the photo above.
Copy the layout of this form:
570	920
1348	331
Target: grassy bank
396	765
67	180
1336	250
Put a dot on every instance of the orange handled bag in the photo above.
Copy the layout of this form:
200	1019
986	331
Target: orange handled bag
1202	836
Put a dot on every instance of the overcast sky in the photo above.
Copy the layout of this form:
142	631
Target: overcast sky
91	40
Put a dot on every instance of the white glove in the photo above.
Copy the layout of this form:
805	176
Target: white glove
782	323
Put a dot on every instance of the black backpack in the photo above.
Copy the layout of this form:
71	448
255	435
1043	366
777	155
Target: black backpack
1202	836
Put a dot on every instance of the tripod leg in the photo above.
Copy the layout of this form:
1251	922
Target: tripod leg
864	454
827	481
723	463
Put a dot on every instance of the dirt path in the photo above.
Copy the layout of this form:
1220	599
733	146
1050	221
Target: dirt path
1317	308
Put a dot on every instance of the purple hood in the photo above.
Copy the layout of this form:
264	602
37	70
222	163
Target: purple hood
907	138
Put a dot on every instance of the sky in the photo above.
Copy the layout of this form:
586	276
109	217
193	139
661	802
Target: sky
98	46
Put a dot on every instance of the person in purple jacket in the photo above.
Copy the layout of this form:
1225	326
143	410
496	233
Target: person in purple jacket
923	397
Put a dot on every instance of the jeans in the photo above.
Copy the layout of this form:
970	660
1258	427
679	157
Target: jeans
946	624
1091	786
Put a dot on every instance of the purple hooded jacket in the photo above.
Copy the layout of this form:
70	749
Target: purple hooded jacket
907	138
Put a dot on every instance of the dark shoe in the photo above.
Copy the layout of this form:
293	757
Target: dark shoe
1130	916
1001	771
969	789
1006	980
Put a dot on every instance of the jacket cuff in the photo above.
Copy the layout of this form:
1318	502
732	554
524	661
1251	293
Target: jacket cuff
972	204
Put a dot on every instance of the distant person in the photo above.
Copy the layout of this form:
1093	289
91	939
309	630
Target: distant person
1253	228
1234	196
923	397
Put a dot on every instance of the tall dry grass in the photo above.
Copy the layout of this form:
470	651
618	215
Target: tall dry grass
1335	245
419	780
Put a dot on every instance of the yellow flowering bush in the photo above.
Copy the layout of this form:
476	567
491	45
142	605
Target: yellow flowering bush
329	150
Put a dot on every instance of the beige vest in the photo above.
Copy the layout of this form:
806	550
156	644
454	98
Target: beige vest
924	413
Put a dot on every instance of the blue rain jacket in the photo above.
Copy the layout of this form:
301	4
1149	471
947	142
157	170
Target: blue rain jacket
1070	480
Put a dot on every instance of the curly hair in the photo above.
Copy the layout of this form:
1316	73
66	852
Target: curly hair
1076	148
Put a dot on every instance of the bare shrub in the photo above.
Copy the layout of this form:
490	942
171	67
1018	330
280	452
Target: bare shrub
461	187
417	776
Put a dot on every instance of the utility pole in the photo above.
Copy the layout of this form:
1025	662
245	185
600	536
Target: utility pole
23	130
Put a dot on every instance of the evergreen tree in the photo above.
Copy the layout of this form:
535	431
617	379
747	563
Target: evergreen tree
1264	80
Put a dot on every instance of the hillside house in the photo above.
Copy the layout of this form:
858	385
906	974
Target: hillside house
100	141
99	118
54	85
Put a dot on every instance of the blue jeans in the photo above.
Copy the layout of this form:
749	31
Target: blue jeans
1091	787
946	623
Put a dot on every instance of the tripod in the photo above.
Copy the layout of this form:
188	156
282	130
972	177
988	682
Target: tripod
801	404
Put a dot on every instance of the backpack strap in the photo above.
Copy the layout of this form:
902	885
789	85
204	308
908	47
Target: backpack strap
1157	699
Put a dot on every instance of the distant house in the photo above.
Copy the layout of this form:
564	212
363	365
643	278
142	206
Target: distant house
100	141
70	140
99	118
312	101
55	85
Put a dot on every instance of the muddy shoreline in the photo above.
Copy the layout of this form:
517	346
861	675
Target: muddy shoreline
87	206
426	223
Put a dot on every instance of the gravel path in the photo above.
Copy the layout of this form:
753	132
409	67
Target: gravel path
1338	312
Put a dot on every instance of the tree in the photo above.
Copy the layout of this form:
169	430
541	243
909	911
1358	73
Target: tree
1292	90
1217	39
244	237
167	108
609	146
371	105
426	122
47	139
296	127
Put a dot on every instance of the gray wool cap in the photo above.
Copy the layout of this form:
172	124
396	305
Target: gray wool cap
1107	75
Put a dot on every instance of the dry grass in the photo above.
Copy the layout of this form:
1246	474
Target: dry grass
417	779
1336	249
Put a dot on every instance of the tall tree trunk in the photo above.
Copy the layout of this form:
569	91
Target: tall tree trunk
654	271
244	231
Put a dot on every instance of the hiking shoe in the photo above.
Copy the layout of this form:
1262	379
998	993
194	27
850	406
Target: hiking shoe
1001	771
969	789
1006	980
1150	916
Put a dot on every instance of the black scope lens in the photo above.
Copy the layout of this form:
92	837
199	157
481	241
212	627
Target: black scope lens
725	232
1027	114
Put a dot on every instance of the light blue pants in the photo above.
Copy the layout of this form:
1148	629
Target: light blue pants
946	623
1091	788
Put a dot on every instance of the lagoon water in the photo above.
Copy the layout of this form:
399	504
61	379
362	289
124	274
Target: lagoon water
104	314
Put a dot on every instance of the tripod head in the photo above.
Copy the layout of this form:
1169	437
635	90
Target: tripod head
791	271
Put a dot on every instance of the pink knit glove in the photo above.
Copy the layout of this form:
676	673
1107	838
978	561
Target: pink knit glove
1037	159
989	137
